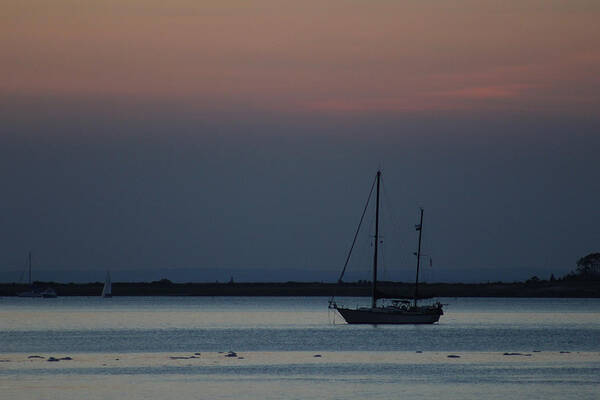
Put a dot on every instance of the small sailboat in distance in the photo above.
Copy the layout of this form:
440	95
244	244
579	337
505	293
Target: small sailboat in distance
47	293
107	289
32	292
400	311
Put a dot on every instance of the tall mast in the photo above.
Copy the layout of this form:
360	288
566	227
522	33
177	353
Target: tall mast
374	295
30	268
420	229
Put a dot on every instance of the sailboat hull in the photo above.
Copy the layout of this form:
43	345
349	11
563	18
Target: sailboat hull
375	316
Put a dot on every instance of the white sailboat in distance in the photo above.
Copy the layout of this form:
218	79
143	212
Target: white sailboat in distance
107	289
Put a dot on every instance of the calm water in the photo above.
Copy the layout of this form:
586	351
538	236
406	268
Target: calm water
144	346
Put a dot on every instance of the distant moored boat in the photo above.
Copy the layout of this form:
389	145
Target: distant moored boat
400	311
47	293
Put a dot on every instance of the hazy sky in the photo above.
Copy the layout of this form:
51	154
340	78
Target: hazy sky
200	140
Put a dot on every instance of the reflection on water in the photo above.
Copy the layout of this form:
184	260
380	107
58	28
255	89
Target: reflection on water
143	348
260	324
93	313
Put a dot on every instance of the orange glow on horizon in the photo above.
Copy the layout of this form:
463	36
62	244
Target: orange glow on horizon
303	56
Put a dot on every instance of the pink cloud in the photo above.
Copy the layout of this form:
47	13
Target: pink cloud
486	92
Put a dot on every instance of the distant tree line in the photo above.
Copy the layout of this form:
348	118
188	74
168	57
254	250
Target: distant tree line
588	269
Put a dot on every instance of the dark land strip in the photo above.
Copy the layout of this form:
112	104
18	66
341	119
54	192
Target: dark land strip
559	288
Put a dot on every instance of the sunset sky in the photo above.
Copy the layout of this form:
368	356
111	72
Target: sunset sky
196	140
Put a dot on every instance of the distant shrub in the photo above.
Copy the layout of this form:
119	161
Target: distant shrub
162	282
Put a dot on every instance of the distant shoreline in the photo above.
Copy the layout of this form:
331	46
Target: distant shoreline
552	289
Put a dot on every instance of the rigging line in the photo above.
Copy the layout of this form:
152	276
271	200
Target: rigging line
357	231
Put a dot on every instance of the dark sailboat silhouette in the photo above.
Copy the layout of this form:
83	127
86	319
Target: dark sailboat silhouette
400	311
36	292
